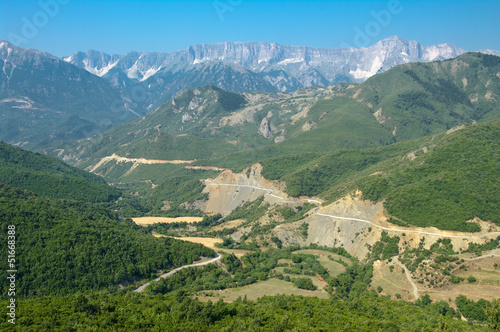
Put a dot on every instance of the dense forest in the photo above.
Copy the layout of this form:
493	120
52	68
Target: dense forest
67	246
102	311
51	177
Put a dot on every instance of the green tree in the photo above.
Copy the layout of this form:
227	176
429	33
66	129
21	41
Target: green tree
493	314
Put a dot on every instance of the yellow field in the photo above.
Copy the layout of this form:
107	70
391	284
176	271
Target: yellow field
154	220
268	287
206	241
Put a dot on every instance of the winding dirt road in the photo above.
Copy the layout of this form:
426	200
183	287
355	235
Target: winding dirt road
136	161
163	276
400	230
492	253
267	191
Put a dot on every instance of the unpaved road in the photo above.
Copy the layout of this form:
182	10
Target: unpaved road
137	161
408	276
267	191
401	230
140	289
495	252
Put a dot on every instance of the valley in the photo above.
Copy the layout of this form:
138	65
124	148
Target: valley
275	195
374	201
351	222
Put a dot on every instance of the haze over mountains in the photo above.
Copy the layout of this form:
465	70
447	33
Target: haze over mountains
44	97
353	64
406	102
250	66
343	174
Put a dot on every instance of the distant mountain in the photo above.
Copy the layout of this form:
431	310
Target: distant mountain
490	52
43	97
251	66
406	102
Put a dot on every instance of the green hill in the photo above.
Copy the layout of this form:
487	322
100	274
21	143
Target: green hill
442	180
44	98
63	247
420	99
406	102
48	176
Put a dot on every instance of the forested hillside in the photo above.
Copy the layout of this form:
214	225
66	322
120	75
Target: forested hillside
419	99
135	312
48	176
442	181
63	247
406	102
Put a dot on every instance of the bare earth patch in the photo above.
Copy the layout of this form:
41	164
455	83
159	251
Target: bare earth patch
237	252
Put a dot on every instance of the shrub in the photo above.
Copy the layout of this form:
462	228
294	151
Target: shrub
471	279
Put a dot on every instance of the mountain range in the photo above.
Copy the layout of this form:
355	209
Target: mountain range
250	66
43	97
406	102
371	193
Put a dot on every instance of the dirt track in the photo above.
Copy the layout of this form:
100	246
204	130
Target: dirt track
405	230
137	161
492	253
163	276
408	276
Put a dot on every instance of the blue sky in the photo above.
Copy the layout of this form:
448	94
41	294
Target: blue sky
61	27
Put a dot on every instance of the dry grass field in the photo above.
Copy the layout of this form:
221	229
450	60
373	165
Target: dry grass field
268	287
154	220
391	282
487	285
206	241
